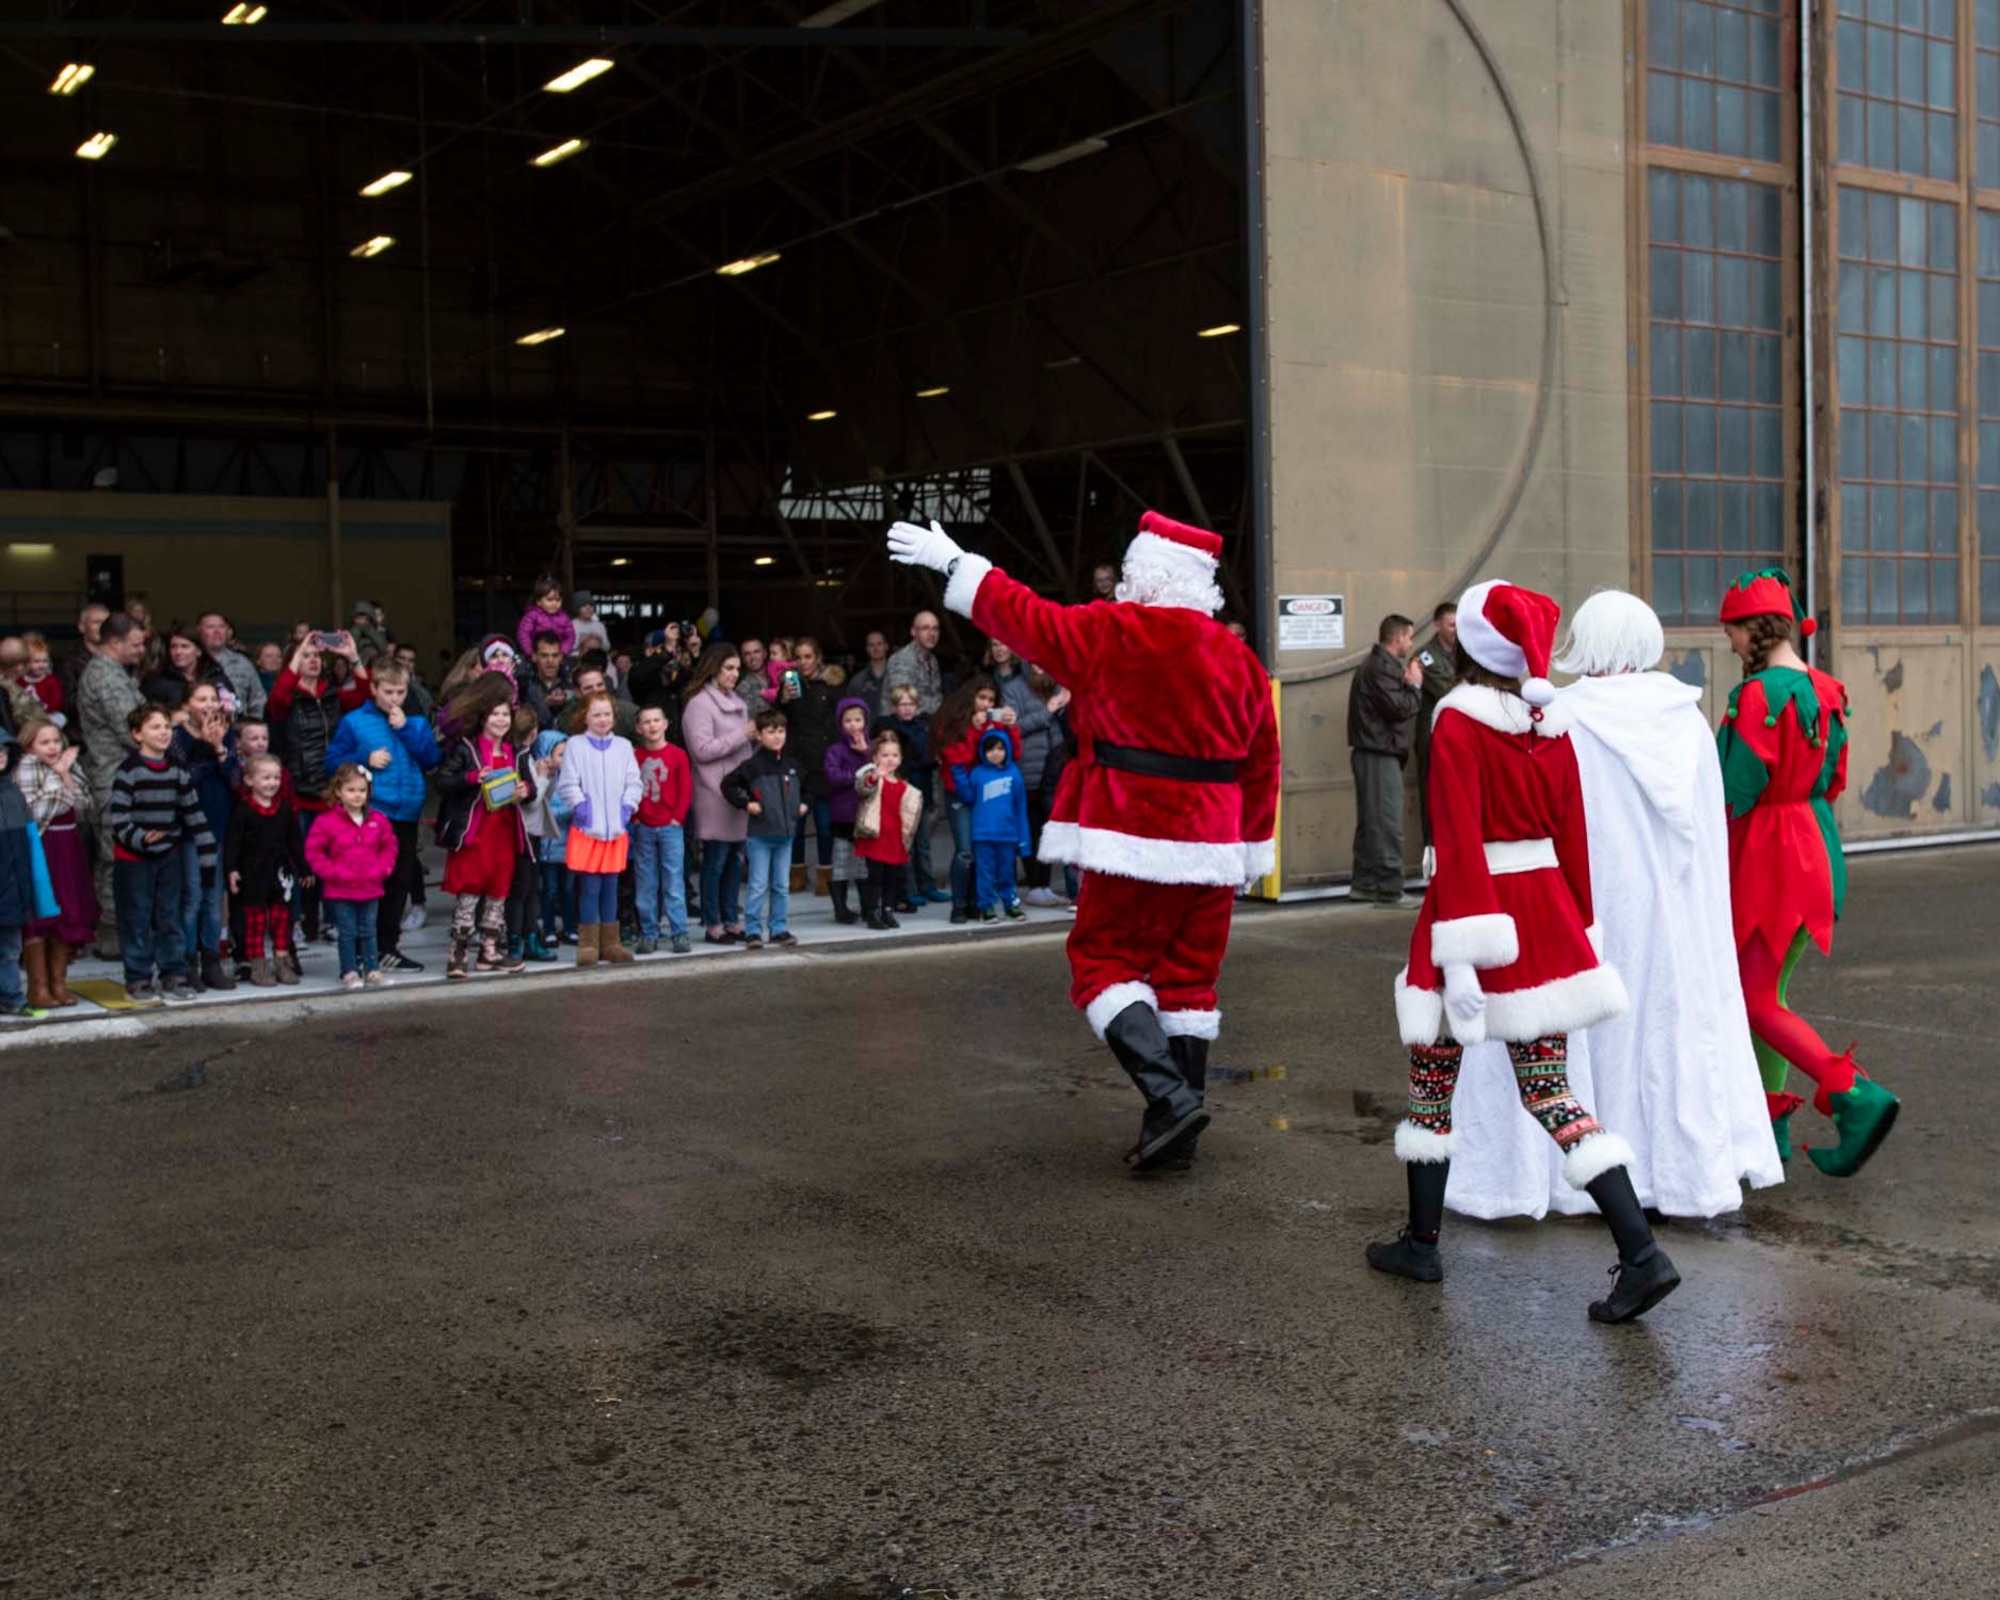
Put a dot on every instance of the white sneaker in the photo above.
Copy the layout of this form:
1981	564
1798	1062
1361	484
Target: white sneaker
350	980
379	980
413	918
1041	897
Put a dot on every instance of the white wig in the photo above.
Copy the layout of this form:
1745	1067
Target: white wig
1612	632
1159	572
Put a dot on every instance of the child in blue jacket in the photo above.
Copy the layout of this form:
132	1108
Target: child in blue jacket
395	749
999	798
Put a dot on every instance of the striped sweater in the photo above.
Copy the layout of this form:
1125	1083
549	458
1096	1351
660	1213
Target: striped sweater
149	797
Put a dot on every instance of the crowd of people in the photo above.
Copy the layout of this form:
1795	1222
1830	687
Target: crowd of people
197	807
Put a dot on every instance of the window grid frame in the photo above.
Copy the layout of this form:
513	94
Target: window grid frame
1854	26
1693	607
1780	174
1678	78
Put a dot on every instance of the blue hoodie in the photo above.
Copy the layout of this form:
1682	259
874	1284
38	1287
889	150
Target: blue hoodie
999	795
398	791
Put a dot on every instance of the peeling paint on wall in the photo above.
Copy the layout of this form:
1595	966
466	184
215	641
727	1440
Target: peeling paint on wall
1692	669
1941	801
1989	713
1892	680
1990	797
1936	729
1896	788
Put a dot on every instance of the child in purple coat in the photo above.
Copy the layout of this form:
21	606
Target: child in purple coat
846	756
545	614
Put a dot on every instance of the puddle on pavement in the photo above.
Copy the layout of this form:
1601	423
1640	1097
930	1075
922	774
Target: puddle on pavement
1933	1268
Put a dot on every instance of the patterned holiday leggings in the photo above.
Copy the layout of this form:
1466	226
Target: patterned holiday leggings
1541	1074
488	917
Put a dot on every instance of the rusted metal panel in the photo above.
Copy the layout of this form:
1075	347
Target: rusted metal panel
1907	759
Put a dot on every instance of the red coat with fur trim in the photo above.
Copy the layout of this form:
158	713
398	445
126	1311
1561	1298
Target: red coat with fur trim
1510	895
1165	679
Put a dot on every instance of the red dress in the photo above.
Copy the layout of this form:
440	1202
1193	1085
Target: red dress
1510	895
1784	763
484	864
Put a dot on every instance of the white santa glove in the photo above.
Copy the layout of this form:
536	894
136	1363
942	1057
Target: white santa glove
932	547
1464	1003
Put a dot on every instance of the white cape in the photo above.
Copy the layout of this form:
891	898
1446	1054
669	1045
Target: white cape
1676	1075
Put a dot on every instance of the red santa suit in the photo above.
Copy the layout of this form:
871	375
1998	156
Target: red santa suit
1510	896
1169	803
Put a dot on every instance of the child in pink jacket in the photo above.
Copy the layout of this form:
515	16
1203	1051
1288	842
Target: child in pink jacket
545	614
352	850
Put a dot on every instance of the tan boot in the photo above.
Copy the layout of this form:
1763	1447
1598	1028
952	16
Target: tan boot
822	881
35	959
59	974
798	880
586	943
611	949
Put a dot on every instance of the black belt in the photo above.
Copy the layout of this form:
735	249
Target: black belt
1152	764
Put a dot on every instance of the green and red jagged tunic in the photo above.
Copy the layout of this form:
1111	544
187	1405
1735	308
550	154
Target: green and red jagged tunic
1784	763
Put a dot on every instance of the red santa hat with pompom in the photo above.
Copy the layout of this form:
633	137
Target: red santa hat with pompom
1181	540
1510	631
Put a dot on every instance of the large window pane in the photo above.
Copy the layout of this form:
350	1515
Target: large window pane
1714	71
1717	465
1897	385
1898	89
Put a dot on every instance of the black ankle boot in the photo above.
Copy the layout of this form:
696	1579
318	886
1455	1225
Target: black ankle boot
1644	1275
1191	1056
1414	1252
1173	1110
842	912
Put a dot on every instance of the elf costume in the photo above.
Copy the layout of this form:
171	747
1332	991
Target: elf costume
1169	802
1784	763
1505	946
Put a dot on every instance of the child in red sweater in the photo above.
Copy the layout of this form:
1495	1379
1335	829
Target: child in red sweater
884	828
658	848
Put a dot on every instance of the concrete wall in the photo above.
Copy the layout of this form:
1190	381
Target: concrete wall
1405	356
265	562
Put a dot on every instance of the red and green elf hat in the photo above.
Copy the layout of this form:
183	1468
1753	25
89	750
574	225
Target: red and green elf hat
1765	593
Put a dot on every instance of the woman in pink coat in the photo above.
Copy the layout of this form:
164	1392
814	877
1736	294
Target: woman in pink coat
716	728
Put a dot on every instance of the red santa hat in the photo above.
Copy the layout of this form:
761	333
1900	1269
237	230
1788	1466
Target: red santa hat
1510	631
1180	533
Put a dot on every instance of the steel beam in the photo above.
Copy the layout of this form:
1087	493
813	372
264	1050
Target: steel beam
482	34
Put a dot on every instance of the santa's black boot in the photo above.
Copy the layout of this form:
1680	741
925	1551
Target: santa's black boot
1191	1056
1174	1111
1414	1252
1645	1275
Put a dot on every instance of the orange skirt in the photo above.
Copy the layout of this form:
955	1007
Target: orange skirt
585	854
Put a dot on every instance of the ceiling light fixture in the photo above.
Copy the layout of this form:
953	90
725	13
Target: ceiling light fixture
541	336
933	392
1064	156
245	16
578	75
1219	330
73	77
370	248
621	561
765	561
839	11
97	146
1061	362
821	416
561	152
736	269
383	184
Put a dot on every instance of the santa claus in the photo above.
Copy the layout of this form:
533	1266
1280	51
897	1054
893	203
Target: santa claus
1168	805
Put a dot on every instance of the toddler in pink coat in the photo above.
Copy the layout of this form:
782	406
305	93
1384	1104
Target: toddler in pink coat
352	850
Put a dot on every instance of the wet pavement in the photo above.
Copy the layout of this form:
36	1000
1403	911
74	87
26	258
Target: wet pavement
819	1279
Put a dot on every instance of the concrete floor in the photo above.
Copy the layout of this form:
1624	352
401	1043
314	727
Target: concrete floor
820	1280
